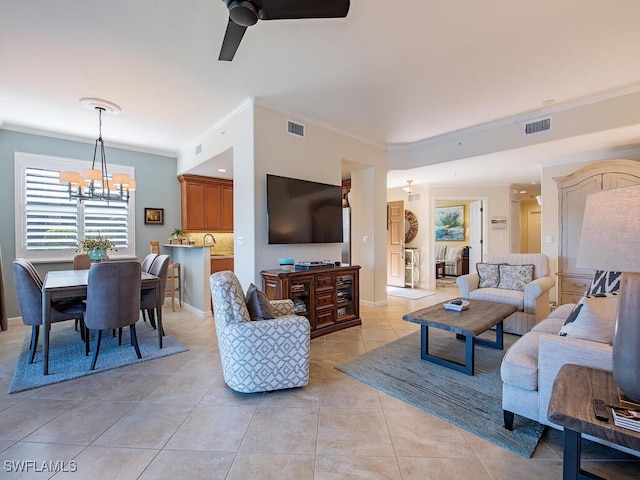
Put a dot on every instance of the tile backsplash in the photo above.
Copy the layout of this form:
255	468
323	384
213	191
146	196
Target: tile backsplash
224	241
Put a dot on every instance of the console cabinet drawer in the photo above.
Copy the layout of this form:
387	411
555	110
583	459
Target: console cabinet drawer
324	300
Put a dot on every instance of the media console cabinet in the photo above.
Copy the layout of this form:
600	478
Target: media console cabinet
329	296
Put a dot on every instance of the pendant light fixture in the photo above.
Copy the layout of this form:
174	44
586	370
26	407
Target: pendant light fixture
409	188
94	184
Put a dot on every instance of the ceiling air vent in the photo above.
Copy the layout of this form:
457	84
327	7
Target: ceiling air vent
414	197
295	129
537	126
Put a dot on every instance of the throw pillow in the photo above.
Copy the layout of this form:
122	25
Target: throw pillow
515	277
605	282
594	319
258	304
489	275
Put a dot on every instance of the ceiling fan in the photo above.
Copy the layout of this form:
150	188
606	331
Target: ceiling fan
244	13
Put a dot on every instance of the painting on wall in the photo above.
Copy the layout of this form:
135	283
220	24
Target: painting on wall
154	216
450	223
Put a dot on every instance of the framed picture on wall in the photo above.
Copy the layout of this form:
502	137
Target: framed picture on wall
450	223
154	216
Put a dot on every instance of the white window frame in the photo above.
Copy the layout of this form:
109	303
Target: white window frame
22	161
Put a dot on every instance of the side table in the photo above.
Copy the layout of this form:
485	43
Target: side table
571	406
440	269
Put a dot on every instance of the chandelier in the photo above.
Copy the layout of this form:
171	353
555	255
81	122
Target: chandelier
409	188
94	184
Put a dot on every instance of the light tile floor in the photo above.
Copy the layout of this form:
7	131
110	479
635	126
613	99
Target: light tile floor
175	418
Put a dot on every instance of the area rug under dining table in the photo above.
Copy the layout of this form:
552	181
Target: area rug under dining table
67	359
473	403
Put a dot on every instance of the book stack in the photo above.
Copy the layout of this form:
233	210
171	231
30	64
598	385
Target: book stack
626	418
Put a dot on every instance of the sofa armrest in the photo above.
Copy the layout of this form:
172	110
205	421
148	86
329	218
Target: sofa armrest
555	351
538	286
467	283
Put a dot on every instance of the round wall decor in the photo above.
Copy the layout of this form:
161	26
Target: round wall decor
410	226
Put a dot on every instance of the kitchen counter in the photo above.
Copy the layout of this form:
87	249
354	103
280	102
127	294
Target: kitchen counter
216	254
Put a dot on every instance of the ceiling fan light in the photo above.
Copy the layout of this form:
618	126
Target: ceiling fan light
243	13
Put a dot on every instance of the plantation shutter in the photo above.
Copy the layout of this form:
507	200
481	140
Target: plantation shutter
51	218
107	219
49	224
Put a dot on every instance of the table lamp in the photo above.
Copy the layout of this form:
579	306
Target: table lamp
610	240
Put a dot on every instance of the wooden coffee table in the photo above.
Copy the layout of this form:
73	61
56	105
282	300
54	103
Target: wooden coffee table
468	324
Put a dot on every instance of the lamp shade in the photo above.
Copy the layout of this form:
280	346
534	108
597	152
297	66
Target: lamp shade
610	238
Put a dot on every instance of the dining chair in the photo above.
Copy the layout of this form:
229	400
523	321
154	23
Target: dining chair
146	266
148	260
113	301
29	288
148	299
81	262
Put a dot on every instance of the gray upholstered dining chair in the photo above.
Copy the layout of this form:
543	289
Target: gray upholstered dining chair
29	288
148	261
148	301
146	266
113	301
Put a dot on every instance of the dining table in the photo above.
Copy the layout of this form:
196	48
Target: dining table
64	284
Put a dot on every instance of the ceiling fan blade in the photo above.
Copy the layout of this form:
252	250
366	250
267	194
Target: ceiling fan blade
290	9
231	42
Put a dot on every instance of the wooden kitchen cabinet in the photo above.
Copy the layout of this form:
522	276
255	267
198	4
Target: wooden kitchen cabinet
206	204
328	297
220	264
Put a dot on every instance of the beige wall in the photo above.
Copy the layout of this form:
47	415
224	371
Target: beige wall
260	144
318	157
496	203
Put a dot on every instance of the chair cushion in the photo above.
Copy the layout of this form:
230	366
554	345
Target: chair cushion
489	274
499	295
258	304
515	277
520	364
593	318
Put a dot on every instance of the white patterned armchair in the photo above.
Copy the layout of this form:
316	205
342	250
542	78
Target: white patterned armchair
260	355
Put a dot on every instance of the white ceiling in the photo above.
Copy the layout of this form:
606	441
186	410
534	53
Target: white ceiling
391	73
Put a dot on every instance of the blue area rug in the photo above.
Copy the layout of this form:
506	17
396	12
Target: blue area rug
470	402
67	359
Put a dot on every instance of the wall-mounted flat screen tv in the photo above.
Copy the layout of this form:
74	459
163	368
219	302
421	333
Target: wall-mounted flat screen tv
301	211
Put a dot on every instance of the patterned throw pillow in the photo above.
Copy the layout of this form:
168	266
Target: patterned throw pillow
593	318
515	277
489	275
604	282
258	304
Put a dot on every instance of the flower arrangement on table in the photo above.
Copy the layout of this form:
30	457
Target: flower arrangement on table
96	247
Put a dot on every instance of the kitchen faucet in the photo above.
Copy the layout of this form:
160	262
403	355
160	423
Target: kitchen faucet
204	239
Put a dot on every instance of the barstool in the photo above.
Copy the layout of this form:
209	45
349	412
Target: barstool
155	246
174	274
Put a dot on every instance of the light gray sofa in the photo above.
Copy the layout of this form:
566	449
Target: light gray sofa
532	363
532	303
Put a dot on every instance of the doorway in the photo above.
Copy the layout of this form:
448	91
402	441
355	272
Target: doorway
395	243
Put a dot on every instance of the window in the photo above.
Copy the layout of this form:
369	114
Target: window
49	224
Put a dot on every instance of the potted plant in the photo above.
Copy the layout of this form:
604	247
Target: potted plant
96	247
177	233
